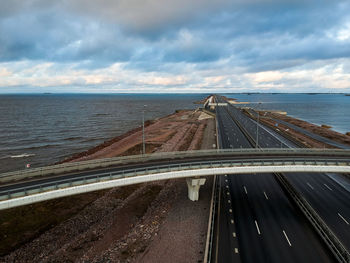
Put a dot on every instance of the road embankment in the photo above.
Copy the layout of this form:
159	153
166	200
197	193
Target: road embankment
276	121
147	222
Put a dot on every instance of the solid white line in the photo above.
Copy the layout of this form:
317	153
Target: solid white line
257	227
343	219
285	235
245	190
266	196
310	186
328	187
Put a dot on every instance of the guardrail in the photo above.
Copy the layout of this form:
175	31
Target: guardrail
327	235
109	162
331	240
40	190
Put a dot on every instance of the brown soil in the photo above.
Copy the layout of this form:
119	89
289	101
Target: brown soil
120	224
300	137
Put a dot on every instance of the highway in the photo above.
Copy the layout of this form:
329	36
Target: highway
262	223
257	222
329	198
312	135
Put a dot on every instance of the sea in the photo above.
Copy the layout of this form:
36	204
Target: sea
318	108
42	129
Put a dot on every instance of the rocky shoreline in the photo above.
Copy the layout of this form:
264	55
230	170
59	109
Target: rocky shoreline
121	224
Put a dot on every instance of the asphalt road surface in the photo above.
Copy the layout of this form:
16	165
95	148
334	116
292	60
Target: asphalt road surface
257	221
327	196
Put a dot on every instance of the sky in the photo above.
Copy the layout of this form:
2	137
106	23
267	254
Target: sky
200	46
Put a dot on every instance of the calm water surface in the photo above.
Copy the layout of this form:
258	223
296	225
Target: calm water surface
43	129
331	109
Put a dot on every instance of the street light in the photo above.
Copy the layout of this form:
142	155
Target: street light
143	130
257	127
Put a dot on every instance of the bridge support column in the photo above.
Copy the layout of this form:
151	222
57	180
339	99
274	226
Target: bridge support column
193	185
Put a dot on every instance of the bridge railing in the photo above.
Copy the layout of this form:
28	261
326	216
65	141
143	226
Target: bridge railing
61	183
109	162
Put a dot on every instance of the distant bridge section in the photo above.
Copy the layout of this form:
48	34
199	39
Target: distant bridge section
39	184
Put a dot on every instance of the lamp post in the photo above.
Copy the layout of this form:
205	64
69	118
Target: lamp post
257	127
143	130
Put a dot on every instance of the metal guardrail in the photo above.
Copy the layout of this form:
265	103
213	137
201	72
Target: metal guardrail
213	208
109	162
327	235
59	183
331	240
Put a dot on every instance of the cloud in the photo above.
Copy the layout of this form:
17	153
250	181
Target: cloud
188	44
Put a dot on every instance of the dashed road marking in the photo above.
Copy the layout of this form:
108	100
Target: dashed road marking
257	227
234	234
229	201
226	180
343	219
230	210
245	190
328	187
227	186
232	222
310	186
236	250
285	235
267	198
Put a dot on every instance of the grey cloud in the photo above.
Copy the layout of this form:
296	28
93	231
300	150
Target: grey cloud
253	34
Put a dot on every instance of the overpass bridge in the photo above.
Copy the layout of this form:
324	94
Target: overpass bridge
39	184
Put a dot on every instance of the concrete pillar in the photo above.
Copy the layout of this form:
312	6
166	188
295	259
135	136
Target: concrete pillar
193	185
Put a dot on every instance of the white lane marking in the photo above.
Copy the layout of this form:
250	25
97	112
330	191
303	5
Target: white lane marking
234	234
245	190
232	222
260	126
310	186
328	187
227	186
257	227
266	196
226	180
229	201
228	193
225	175
236	250
343	219
230	210
285	235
